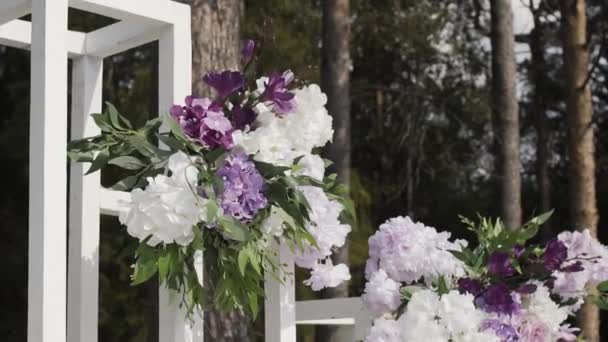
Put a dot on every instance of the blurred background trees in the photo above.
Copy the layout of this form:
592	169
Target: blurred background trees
423	90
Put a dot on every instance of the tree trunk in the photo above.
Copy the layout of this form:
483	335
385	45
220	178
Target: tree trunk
216	46
216	39
539	110
505	112
581	168
335	79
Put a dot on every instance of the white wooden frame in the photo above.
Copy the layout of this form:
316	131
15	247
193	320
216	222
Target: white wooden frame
51	43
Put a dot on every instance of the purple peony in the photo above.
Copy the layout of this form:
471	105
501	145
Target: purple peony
555	254
499	263
248	50
204	121
224	83
498	299
243	193
276	92
505	332
468	285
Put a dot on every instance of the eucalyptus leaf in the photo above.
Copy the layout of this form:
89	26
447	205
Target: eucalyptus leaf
127	162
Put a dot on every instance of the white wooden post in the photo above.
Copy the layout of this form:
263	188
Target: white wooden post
83	253
280	303
47	173
175	83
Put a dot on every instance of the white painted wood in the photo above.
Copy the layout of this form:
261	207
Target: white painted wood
83	242
163	11
18	34
175	67
122	36
47	173
280	303
336	311
110	201
14	9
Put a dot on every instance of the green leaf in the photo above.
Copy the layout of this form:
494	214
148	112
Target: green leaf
78	156
541	219
112	112
125	184
603	286
270	171
174	127
127	162
103	123
243	259
234	229
173	143
100	160
442	287
163	266
253	303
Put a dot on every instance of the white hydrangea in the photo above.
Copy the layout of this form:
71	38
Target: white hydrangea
542	306
280	139
324	226
311	165
381	294
420	329
325	275
409	251
458	314
384	330
167	208
273	225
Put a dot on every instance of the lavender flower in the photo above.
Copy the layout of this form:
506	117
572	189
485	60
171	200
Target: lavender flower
505	332
243	193
248	50
499	263
276	92
224	83
204	121
555	254
498	299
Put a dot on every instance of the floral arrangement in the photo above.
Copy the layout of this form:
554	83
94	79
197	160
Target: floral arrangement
236	173
423	287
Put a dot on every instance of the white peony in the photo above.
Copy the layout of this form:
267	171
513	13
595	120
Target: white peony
325	275
311	165
167	208
458	314
280	139
424	304
381	294
542	306
384	330
420	329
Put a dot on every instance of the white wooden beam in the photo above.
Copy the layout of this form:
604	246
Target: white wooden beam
175	68
47	173
83	242
14	9
109	201
122	36
336	311
280	303
18	34
162	11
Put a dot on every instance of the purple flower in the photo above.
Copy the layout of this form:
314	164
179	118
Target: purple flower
242	117
574	267
505	332
243	193
276	92
526	289
248	49
499	263
555	254
204	121
497	298
468	285
224	83
518	250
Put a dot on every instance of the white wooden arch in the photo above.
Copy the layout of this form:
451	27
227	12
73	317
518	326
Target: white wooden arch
51	44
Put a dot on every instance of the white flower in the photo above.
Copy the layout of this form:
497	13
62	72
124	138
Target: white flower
324	226
542	306
381	294
420	329
327	275
384	330
198	266
312	166
280	139
458	313
424	304
167	208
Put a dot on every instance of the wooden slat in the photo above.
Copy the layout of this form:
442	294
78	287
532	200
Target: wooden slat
122	36
83	242
18	34
175	63
47	173
337	311
280	303
162	11
14	9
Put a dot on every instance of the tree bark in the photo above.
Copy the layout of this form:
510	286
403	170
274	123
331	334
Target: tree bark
216	39
335	81
216	46
505	112
539	110
581	150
